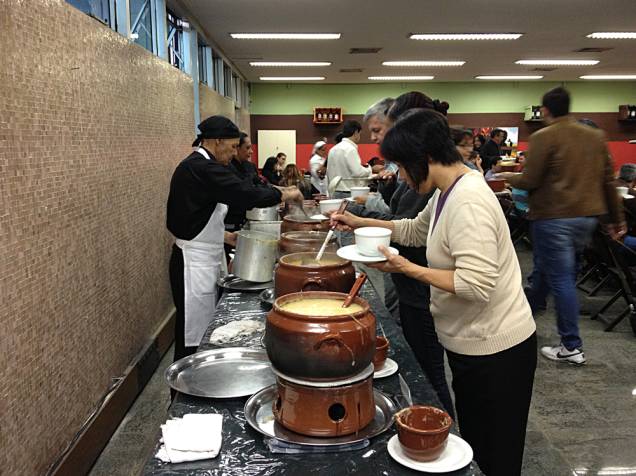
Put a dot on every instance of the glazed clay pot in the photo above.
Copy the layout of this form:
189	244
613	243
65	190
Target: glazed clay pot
299	241
324	412
298	272
321	347
496	185
381	350
302	223
423	431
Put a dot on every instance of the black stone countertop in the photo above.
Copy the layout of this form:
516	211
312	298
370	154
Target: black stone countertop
244	452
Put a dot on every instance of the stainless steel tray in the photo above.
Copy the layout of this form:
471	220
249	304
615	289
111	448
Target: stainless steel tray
222	373
234	283
258	413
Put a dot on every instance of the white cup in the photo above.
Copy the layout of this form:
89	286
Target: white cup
331	205
622	191
359	191
369	238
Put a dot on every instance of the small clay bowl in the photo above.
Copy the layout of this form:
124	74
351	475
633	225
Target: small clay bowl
381	349
423	431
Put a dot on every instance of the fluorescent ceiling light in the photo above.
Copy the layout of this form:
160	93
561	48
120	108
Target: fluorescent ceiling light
509	77
613	35
558	62
401	78
285	36
291	78
290	63
423	63
465	36
608	76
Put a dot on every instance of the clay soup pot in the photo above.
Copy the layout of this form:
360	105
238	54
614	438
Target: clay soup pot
302	223
299	241
381	351
298	272
423	431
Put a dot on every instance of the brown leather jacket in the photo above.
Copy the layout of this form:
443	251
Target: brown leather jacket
569	173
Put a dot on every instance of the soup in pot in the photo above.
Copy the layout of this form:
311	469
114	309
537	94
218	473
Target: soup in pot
320	307
313	263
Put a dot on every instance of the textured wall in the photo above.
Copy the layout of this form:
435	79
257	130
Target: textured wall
91	128
211	102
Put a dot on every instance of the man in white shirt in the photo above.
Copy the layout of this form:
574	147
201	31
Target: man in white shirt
316	165
344	160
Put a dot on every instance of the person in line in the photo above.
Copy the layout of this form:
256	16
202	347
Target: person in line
271	171
317	167
569	174
478	142
413	295
491	151
344	160
463	139
202	188
481	314
293	178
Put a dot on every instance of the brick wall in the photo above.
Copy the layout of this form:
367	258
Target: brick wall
91	128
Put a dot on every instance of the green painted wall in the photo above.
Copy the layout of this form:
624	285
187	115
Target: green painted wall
468	97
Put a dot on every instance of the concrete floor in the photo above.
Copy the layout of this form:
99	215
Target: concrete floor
582	420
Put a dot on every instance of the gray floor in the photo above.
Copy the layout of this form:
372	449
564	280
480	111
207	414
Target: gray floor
582	420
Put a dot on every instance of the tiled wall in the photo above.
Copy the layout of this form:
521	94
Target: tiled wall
91	128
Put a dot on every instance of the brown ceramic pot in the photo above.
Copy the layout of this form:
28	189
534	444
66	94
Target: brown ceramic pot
299	241
381	350
298	272
497	185
321	347
333	411
302	223
423	431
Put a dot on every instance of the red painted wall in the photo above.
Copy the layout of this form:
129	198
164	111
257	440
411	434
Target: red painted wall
622	153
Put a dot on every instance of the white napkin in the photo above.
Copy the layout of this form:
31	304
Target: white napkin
191	438
234	330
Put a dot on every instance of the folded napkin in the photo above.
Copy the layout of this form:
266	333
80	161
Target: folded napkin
234	330
191	438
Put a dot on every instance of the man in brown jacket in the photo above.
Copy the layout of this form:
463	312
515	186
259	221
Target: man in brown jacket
569	175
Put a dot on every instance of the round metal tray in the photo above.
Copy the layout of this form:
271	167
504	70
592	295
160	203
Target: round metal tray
258	413
234	283
222	373
367	372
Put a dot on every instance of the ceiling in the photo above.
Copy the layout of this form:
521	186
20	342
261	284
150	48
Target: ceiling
552	29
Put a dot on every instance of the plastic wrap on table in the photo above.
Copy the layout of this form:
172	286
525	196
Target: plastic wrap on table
278	446
244	451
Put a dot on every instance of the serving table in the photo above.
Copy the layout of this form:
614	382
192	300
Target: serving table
244	451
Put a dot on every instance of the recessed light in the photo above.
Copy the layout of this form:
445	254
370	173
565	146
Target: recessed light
608	76
401	78
558	62
289	63
291	78
285	36
509	78
465	36
613	35
423	63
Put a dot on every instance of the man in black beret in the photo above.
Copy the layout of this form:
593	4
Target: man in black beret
201	190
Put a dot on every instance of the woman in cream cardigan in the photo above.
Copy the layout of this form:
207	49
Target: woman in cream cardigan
480	311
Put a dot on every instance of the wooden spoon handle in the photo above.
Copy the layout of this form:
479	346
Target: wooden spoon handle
355	289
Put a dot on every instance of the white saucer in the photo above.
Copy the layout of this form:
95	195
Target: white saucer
389	368
351	253
456	455
627	197
319	217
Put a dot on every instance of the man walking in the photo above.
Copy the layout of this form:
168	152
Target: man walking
568	173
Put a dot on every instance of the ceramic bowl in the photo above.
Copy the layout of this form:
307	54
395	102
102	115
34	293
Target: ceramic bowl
423	431
330	205
369	238
359	191
381	350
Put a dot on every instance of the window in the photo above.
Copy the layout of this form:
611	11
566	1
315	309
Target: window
227	81
176	45
141	23
99	9
203	69
218	75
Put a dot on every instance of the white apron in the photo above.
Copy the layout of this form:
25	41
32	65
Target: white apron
203	263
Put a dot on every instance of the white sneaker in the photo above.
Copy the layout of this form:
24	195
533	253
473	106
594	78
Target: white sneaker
561	354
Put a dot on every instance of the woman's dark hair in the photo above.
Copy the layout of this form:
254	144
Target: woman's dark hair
374	161
481	138
557	101
415	100
338	138
280	154
459	135
418	136
270	164
350	127
495	132
242	138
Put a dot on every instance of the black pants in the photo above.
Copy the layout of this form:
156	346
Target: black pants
176	283
492	397
419	332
